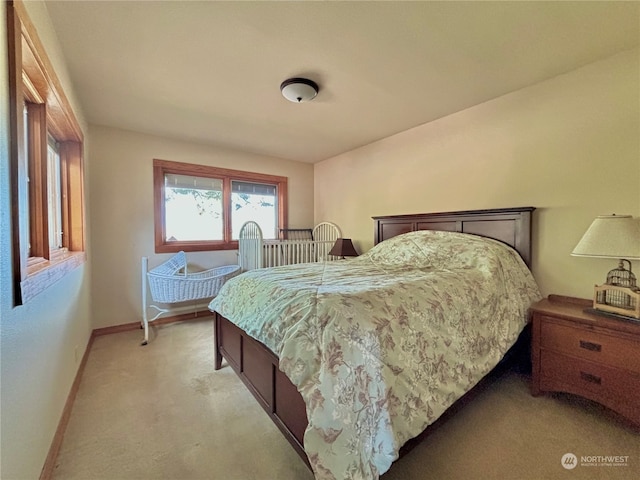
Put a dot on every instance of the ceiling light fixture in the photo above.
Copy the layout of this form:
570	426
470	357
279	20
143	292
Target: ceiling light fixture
299	90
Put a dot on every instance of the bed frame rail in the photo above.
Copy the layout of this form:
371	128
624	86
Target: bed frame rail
257	367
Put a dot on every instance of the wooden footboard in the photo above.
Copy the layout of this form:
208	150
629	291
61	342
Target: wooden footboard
258	368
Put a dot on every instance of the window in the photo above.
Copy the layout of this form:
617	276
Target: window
45	144
257	202
54	189
203	208
193	208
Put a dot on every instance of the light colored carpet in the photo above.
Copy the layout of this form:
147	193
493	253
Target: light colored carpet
162	412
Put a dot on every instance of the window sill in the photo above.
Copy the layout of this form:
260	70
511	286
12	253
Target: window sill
42	273
174	247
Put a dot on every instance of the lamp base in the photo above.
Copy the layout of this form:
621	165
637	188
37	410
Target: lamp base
623	301
617	316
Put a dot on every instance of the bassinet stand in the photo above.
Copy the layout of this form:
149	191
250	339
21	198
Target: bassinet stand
145	305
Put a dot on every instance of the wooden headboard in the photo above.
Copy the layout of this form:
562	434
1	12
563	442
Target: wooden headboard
508	225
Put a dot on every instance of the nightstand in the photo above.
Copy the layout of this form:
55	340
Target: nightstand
589	355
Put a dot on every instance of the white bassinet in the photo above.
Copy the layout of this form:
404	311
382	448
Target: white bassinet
170	282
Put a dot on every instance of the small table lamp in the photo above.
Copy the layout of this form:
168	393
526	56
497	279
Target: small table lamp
343	248
614	236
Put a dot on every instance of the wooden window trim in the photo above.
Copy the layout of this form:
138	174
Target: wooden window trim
162	167
38	207
32	78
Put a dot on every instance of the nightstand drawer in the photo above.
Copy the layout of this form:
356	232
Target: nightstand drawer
590	345
612	387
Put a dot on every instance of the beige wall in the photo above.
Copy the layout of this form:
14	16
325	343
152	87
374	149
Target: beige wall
121	217
569	146
38	341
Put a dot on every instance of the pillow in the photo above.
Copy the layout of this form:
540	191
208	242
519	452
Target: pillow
437	249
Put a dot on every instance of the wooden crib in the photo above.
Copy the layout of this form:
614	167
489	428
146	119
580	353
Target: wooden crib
296	246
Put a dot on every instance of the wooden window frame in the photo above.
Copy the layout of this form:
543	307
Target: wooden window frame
163	167
32	79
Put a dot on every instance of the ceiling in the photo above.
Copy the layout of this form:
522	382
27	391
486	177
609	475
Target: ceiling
209	72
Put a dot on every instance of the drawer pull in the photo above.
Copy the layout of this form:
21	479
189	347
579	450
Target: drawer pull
594	347
587	377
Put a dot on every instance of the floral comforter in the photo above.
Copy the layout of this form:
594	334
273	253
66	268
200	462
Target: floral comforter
381	345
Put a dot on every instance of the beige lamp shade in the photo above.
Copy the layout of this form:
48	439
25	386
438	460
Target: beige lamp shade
611	236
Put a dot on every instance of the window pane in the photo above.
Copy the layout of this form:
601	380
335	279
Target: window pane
193	208
25	146
54	195
256	202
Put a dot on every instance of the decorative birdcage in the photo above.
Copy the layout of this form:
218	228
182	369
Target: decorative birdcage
620	294
622	277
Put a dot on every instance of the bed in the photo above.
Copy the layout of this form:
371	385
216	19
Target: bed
367	354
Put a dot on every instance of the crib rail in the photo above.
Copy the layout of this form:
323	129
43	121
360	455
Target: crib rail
255	252
289	252
250	247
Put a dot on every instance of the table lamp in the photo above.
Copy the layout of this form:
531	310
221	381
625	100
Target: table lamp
343	248
614	236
